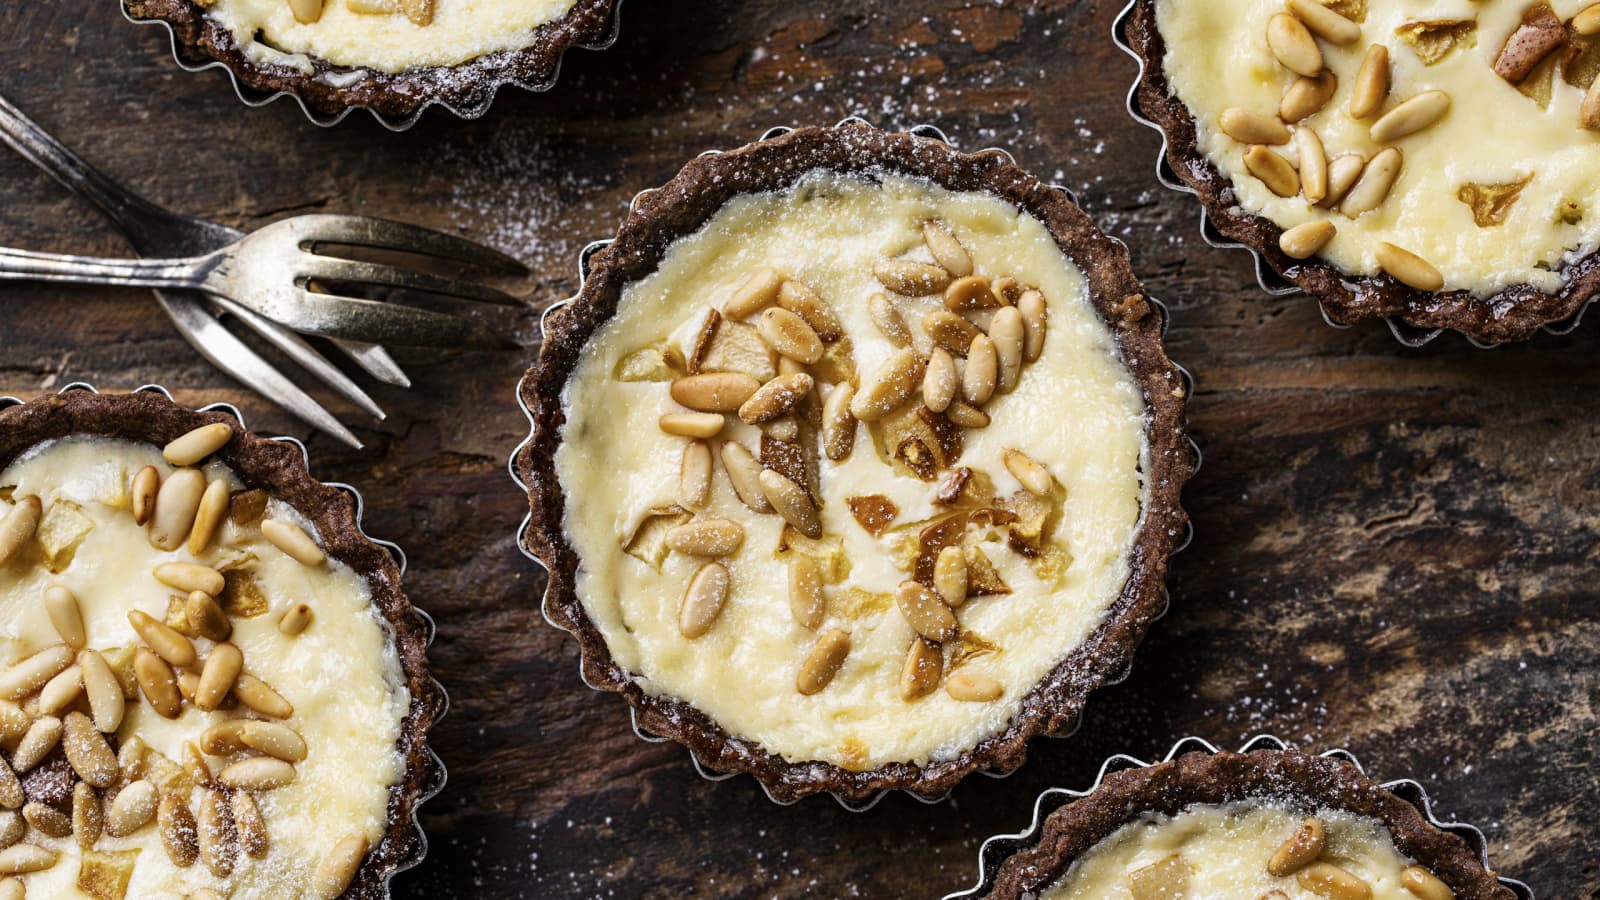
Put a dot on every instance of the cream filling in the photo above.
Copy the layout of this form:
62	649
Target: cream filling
1224	851
342	674
1217	58
1076	410
461	30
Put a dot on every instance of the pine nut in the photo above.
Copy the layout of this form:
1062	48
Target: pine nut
18	526
1372	188
715	392
132	809
208	518
1372	83
889	386
37	742
178	832
1328	880
1326	23
61	691
206	617
807	601
1313	164
925	612
31	673
910	278
159	684
1034	477
1034	323
293	540
193	446
950	576
1589	112
47	820
19	859
1408	268
947	249
703	600
1249	127
1273	170
1304	240
693	425
800	299
694	475
188	683
1008	289
791	501
1008	332
259	696
970	292
65	614
419	12
838	429
225	737
1411	116
167	643
981	371
131	757
100	685
222	668
1307	96
12	889
12	827
939	382
295	619
758	291
1587	22
190	577
950	331
744	473
219	846
88	752
920	674
88	816
338	868
970	687
966	416
1342	174
1417	880
1293	45
886	316
306	12
827	656
1300	850
145	484
176	504
788	335
250	824
11	793
258	773
13	721
776	398
706	537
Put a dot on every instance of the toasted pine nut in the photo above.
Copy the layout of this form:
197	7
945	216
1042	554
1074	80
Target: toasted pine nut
177	501
219	846
925	612
258	773
293	540
88	752
966	415
20	859
18	525
1342	174
1417	880
693	424
11	794
1008	289
939	382
1372	188
703	600
250	824
1313	164
1328	880
716	392
88	815
259	696
167	643
1273	170
100	685
1411	116
1293	45
981	372
47	819
145	484
791	501
744	472
950	331
62	607
706	537
225	737
159	684
886	316
61	691
1034	477
1589	111
221	669
12	827
807	601
178	831
950	576
191	577
209	516
1325	23
1300	850
694	475
1408	268
776	398
306	12
947	249
758	291
798	298
788	335
1307	96
40	738
970	687
970	292
132	808
338	868
30	673
910	278
1372	83
206	617
275	739
889	386
1249	127
1008	332
823	662
295	619
1587	22
920	674
1304	240
193	446
1034	323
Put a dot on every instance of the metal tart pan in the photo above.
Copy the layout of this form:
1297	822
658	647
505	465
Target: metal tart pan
434	778
997	849
1266	276
706	771
253	97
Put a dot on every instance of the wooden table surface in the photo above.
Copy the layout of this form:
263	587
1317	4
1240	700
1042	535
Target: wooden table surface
1395	549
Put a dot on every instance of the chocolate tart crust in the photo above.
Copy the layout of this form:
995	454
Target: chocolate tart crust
1513	314
278	468
398	95
678	209
1307	782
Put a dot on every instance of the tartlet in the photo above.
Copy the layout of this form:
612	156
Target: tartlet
245	713
677	460
1274	823
1451	151
392	57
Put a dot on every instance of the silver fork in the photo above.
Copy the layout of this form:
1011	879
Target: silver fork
153	230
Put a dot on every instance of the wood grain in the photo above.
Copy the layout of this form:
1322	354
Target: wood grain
1395	548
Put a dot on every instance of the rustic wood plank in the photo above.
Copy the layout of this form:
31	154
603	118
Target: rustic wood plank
1395	548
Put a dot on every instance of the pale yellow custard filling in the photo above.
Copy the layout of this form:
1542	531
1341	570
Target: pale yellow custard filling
341	674
461	30
1221	852
1218	57
1076	410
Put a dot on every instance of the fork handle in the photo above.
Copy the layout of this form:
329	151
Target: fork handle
29	265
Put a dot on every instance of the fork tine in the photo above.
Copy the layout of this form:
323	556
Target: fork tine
377	322
325	268
376	361
296	348
366	231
